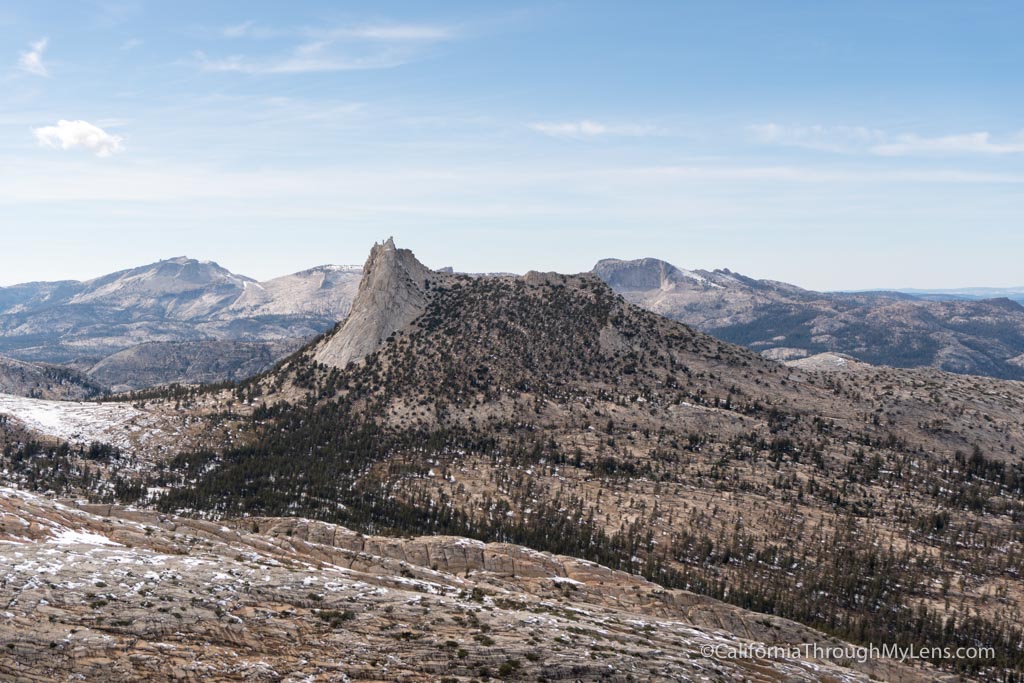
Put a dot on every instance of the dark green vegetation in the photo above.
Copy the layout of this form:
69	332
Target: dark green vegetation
97	470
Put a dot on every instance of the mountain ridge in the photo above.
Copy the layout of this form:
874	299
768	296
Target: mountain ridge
92	325
46	381
980	337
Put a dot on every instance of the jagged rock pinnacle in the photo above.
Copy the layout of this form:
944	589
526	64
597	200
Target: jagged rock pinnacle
391	295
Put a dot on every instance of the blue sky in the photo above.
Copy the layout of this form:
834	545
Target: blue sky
833	145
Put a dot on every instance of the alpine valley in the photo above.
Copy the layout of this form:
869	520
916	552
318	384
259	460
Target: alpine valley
507	477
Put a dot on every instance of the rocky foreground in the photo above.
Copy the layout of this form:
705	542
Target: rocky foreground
112	594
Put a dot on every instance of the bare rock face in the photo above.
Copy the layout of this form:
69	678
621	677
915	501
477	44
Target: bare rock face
641	275
392	293
325	291
828	362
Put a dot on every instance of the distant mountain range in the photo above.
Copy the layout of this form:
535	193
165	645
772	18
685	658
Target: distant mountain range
112	327
785	322
968	293
189	321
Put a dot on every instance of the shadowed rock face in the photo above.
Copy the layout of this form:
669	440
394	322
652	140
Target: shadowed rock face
392	293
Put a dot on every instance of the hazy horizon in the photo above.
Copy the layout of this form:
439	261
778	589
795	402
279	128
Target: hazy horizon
837	147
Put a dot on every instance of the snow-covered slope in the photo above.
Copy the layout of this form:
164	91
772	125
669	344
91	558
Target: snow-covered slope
119	424
321	291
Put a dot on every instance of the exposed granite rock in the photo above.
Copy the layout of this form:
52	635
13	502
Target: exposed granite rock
102	593
391	295
827	362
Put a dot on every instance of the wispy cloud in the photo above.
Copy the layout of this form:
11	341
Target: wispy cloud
406	189
401	32
814	175
79	135
31	61
862	140
968	143
237	30
590	129
388	32
840	139
382	46
131	44
308	58
250	29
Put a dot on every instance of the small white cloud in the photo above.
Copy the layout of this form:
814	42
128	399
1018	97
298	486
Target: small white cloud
590	129
79	135
32	60
130	44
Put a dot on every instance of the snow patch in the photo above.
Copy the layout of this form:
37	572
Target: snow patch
70	537
566	579
73	421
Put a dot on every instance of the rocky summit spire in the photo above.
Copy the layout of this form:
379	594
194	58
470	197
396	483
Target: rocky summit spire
391	295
